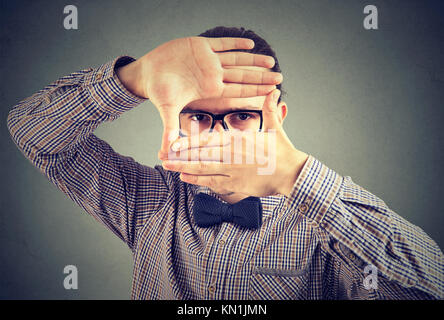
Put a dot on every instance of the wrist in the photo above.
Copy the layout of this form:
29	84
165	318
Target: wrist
130	76
294	166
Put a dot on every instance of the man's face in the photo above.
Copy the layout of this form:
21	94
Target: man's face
219	106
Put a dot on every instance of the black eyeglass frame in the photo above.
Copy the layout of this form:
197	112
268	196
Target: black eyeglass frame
221	116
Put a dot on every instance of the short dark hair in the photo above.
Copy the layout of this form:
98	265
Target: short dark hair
260	45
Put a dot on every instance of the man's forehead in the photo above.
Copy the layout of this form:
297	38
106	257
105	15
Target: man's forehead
225	104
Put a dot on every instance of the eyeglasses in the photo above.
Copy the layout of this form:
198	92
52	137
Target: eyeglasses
195	121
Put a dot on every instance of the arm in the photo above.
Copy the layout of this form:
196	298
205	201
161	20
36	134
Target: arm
359	230
54	129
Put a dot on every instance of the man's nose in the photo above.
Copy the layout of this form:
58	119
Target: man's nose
218	126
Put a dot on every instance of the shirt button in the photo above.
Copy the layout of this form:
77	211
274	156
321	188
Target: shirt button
352	257
303	208
212	288
99	75
221	242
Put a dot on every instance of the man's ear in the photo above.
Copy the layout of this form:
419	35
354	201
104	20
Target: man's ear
282	111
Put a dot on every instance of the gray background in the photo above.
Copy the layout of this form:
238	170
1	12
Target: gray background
368	104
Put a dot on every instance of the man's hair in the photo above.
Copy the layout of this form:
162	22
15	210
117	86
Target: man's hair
260	45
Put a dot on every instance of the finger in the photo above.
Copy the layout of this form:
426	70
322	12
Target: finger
269	110
214	182
224	44
215	154
196	167
245	59
236	90
208	139
251	77
170	119
215	148
217	139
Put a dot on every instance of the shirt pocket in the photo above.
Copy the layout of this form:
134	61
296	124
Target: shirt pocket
278	284
282	268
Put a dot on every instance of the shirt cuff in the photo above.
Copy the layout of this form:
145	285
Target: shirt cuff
106	89
314	191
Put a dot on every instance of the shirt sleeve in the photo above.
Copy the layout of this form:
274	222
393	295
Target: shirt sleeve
377	254
54	129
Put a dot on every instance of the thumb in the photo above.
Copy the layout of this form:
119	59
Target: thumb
269	111
170	119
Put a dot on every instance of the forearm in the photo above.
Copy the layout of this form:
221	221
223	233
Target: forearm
291	171
66	112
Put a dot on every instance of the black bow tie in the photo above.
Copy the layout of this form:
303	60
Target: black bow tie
209	211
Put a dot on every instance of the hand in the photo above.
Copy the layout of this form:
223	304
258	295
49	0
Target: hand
188	69
271	167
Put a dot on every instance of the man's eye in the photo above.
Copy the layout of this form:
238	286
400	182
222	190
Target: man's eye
243	116
197	117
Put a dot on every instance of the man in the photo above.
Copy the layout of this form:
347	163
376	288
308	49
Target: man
207	228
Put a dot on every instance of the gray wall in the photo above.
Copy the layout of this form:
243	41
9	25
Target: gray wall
368	104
